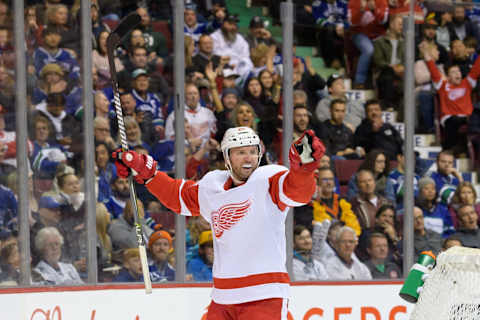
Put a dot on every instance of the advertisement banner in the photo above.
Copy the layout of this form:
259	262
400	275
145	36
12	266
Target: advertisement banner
181	302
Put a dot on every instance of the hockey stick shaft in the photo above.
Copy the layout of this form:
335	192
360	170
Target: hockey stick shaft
113	40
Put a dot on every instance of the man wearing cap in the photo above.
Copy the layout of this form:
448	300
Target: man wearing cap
228	42
50	52
258	33
148	107
160	245
354	113
200	267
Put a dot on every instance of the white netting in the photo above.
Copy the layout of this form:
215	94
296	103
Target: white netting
452	291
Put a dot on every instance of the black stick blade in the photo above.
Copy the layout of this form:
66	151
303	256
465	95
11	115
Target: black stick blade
125	26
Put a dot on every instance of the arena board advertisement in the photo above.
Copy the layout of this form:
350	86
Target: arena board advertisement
350	301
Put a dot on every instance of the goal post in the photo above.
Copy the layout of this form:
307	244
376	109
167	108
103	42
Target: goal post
452	289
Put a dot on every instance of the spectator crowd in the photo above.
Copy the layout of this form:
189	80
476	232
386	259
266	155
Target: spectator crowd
350	229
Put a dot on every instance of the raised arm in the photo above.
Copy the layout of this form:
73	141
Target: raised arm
296	186
180	196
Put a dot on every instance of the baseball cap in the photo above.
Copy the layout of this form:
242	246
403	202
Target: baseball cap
333	78
430	21
139	72
256	22
230	73
205	236
48	202
191	6
159	234
232	18
234	91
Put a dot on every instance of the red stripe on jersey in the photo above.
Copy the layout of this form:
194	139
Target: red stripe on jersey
298	185
253	280
167	190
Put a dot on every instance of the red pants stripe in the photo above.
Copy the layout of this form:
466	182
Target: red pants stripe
268	309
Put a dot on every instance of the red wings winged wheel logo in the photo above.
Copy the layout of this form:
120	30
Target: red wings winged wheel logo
228	215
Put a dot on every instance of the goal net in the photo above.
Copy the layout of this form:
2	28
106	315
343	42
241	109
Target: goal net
452	290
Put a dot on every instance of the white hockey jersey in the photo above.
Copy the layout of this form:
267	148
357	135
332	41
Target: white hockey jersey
248	223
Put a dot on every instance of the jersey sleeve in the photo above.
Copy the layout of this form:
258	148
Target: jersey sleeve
291	188
180	196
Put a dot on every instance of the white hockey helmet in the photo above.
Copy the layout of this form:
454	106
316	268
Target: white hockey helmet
239	137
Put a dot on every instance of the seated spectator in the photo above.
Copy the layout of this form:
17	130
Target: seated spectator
106	171
195	226
119	196
323	235
195	29
367	19
384	224
271	84
230	99
58	17
373	133
379	265
258	33
100	60
49	214
148	107
205	54
201	119
460	57
132	267
468	231
436	215
47	155
465	194
159	246
33	29
51	80
122	230
344	265
338	135
137	58
451	241
9	264
102	132
367	202
134	134
424	239
377	162
227	41
455	100
330	205
446	178
104	243
462	26
389	64
101	105
305	267
64	124
51	52
396	179
331	17
155	41
49	242
200	267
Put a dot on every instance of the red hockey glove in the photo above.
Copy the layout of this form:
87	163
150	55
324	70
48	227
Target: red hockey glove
143	166
306	152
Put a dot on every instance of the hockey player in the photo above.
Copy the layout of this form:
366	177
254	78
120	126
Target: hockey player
246	207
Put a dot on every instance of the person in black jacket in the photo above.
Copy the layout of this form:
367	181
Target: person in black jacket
373	133
338	137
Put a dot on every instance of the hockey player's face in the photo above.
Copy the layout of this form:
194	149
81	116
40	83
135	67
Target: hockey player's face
244	161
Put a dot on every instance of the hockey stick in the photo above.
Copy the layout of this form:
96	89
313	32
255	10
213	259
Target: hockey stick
113	40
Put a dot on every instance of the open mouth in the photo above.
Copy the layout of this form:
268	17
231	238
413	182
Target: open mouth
247	166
